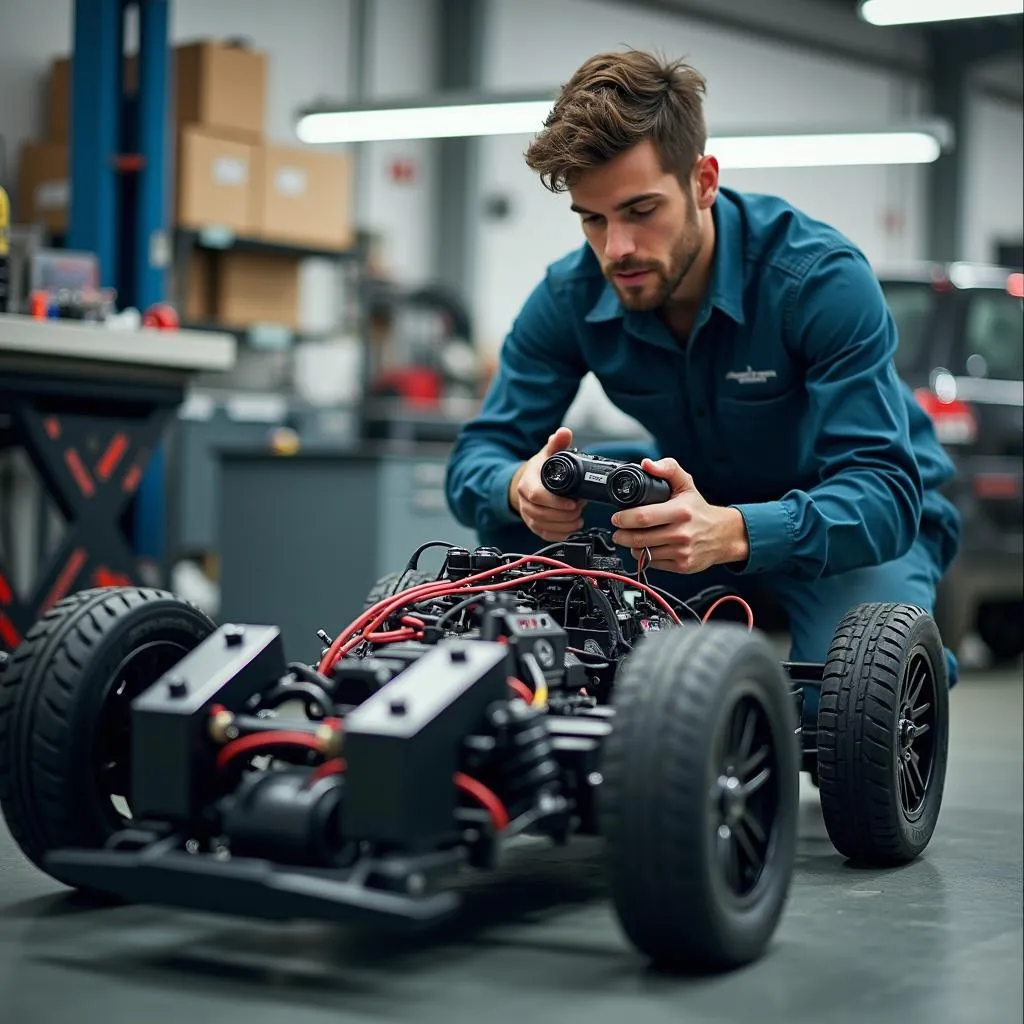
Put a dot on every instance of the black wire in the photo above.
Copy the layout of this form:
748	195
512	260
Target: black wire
456	608
581	654
310	675
679	602
414	558
568	597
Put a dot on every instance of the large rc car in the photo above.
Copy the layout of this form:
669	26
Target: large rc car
148	754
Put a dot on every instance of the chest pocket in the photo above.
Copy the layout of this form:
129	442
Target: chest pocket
761	439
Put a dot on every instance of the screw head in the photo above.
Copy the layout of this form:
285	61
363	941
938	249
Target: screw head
234	635
176	686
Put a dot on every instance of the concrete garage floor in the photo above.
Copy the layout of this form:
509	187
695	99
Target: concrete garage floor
940	940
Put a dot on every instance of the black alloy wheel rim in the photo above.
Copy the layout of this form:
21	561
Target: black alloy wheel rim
915	732
745	796
112	759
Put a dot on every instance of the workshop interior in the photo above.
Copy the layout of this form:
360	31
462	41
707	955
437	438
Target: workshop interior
258	262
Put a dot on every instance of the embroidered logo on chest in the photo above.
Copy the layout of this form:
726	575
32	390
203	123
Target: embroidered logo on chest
750	376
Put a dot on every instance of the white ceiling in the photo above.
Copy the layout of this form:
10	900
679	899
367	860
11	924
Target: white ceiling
834	27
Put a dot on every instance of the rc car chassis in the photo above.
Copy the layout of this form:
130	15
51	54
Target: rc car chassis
149	754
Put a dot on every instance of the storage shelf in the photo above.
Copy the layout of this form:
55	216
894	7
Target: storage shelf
216	240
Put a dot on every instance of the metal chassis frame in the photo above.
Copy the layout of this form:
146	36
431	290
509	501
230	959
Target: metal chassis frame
150	863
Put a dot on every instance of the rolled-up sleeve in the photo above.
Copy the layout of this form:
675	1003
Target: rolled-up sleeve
867	506
539	372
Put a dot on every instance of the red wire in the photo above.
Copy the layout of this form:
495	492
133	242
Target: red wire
336	766
739	600
257	740
522	690
486	796
480	792
371	619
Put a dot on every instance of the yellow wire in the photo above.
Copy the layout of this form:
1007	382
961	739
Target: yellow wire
540	695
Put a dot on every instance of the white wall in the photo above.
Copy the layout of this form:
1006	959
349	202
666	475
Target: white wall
994	193
537	43
402	64
750	84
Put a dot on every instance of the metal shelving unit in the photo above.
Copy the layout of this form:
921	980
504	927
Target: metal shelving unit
121	160
187	241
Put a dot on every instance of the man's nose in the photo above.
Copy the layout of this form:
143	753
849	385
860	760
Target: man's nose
618	243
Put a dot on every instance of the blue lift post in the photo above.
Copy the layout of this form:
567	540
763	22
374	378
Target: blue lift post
132	262
150	242
95	132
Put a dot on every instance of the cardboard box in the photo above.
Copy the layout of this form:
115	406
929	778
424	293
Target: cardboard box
44	185
303	197
59	94
257	288
222	87
198	304
214	182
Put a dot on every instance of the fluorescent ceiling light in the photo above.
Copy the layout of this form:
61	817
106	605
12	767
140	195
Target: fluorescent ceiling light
526	115
826	150
512	117
916	12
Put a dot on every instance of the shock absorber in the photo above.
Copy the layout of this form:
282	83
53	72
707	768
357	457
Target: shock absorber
529	772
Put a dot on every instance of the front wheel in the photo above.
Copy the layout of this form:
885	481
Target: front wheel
700	795
65	712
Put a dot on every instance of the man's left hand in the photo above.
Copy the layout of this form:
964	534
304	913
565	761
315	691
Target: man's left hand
684	534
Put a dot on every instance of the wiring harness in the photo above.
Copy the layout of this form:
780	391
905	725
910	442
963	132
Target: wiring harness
572	602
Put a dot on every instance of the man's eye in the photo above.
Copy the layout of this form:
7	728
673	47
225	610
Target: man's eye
643	211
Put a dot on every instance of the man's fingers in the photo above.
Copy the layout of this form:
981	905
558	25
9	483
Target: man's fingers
668	469
643	517
640	539
544	514
558	441
666	558
541	497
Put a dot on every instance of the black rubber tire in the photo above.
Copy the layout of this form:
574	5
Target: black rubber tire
54	697
387	586
673	699
859	733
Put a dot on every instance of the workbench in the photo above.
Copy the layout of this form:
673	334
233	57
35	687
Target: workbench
88	404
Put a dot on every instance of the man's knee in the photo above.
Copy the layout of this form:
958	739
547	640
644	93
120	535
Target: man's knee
815	607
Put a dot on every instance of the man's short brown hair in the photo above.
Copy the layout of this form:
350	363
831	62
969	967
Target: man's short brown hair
614	101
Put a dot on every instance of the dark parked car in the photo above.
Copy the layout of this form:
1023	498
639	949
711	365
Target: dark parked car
962	350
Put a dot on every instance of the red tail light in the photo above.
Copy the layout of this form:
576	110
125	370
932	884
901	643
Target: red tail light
955	422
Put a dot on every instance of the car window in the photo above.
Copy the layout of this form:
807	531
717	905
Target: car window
913	308
994	336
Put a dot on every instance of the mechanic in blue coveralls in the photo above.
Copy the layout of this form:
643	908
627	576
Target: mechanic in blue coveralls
751	341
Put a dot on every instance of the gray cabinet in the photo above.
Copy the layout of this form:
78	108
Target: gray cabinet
304	537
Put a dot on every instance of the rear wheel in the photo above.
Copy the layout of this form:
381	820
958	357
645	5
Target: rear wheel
65	707
389	585
883	733
700	793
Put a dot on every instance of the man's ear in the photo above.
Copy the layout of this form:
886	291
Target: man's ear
706	179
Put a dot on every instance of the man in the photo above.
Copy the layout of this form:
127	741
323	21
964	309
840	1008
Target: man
751	341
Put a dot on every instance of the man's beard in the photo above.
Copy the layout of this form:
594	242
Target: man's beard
645	297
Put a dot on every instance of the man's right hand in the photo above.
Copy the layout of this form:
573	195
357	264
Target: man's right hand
548	516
